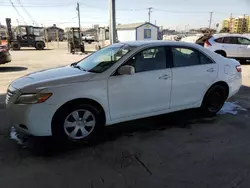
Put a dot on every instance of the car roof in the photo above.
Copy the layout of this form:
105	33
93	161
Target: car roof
157	42
229	35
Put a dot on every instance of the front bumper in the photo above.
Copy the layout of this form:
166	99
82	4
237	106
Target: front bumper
34	119
31	119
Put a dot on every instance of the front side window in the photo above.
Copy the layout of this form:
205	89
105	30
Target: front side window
243	41
149	60
185	57
103	59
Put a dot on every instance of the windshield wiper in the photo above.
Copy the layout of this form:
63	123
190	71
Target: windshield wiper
80	68
74	65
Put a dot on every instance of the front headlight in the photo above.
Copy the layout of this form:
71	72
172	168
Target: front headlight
33	98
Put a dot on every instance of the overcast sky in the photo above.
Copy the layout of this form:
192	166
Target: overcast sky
168	13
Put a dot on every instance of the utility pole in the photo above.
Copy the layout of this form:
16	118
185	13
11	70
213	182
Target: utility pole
112	26
210	20
149	13
79	22
231	23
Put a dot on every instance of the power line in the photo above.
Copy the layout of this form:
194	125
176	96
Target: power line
19	2
33	5
17	11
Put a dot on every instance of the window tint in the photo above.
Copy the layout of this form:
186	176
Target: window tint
204	59
243	41
230	40
219	40
149	59
185	57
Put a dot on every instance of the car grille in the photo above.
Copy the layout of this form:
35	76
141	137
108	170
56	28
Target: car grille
9	96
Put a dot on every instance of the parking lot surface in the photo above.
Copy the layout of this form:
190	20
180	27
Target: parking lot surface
179	150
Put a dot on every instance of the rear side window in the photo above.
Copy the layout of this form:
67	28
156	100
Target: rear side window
183	57
204	59
219	40
230	40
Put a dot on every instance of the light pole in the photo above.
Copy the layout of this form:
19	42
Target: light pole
112	26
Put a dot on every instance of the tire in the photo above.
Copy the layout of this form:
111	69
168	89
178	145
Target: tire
213	100
221	53
66	128
15	45
39	45
243	61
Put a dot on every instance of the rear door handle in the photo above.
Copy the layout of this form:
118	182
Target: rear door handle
164	77
211	70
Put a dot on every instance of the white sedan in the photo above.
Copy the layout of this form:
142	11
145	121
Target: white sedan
121	82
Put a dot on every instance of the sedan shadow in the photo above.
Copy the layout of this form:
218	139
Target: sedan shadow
32	49
46	146
12	69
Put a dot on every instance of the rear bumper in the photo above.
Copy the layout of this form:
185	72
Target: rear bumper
234	85
5	58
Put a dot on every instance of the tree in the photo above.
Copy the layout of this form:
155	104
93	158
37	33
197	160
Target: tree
225	30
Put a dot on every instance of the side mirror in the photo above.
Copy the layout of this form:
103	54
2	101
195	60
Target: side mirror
126	70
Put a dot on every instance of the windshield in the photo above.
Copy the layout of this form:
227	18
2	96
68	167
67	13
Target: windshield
103	59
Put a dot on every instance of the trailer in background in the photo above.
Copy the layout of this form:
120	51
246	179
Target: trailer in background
137	31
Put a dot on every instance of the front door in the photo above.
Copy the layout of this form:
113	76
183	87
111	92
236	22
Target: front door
193	72
243	47
146	91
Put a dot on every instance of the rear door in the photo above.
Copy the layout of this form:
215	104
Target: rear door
193	72
243	47
230	46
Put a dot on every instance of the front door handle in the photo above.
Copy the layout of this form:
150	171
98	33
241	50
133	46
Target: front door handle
211	70
164	77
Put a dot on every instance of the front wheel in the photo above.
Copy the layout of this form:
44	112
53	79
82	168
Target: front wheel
39	45
214	100
15	45
79	122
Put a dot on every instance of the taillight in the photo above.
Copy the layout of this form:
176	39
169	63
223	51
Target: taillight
238	68
3	50
207	44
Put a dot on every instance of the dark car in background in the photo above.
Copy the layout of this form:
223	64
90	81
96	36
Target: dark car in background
5	56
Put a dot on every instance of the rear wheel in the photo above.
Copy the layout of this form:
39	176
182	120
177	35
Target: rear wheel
15	45
77	122
39	45
214	100
243	61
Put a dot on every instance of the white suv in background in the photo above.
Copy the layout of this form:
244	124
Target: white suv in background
230	45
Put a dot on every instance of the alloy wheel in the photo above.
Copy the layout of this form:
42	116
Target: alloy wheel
79	124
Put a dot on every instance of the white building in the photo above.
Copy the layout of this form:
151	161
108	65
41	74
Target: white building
137	31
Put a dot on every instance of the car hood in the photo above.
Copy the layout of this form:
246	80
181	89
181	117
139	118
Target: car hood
59	76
